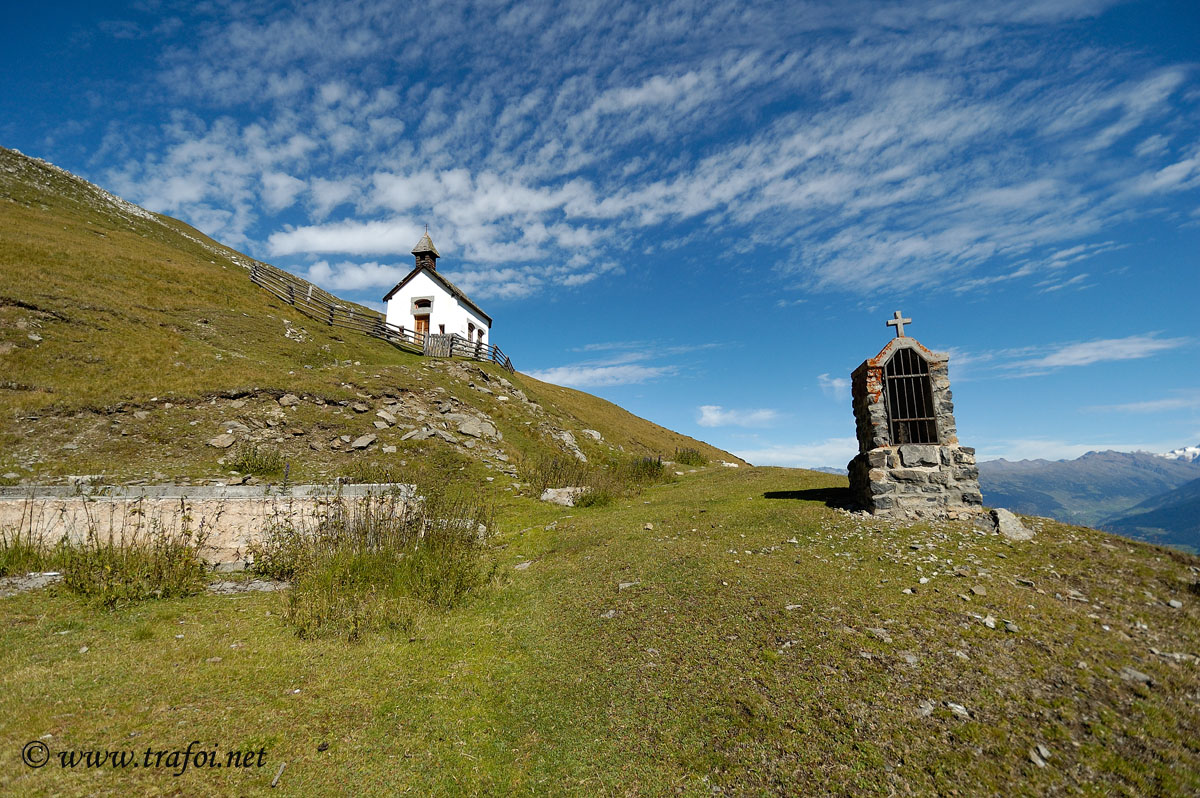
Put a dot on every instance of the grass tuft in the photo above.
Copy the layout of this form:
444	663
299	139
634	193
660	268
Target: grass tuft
691	457
116	569
257	460
377	562
23	551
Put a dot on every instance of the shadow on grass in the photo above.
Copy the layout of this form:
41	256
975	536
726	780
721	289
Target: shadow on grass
832	497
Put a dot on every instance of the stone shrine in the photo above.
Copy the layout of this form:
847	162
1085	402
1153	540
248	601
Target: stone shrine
909	461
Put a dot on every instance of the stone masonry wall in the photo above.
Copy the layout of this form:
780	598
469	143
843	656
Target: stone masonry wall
937	480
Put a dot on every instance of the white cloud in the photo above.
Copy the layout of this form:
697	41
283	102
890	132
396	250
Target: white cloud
280	190
834	387
349	276
1186	402
599	376
717	416
948	146
358	238
831	452
1089	352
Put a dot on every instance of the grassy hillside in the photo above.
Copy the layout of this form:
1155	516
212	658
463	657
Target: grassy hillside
762	644
729	631
128	340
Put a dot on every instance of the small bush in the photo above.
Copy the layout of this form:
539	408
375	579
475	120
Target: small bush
555	472
23	552
594	497
118	569
603	482
260	461
690	457
377	562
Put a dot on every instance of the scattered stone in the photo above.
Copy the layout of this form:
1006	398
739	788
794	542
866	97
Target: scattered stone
1010	526
591	433
389	450
626	585
1010	626
1134	675
924	709
648	527
958	709
979	590
477	428
880	634
288	400
523	566
213	659
363	441
1175	604
907	591
608	614
386	416
229	588
564	496
1036	758
381	424
989	622
83	650
359	407
223	441
790	607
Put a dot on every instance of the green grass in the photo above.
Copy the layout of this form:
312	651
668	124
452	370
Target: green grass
126	342
702	677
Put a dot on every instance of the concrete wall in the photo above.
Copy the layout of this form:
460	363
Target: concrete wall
446	308
230	519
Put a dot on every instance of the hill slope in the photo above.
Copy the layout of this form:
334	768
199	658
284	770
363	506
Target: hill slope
1171	518
1086	490
129	339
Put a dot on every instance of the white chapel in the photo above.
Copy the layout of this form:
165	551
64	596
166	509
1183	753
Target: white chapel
425	302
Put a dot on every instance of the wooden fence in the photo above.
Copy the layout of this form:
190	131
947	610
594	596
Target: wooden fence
325	307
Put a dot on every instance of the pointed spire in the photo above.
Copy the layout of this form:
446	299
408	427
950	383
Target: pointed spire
425	252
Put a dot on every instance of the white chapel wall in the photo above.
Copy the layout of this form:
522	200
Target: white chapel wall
446	309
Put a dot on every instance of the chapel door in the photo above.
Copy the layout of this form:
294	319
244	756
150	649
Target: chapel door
422	327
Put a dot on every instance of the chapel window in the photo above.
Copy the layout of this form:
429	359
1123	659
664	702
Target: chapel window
909	395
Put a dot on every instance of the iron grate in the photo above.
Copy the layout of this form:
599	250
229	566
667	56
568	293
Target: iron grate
909	395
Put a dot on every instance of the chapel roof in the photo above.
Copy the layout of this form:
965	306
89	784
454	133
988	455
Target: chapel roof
449	286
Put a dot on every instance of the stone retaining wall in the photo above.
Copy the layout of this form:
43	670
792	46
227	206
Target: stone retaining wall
230	518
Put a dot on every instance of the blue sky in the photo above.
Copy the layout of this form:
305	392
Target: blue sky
704	212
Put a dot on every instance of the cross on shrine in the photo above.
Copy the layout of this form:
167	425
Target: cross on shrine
898	322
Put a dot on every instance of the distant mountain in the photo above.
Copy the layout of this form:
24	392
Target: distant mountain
1189	454
1171	518
1087	490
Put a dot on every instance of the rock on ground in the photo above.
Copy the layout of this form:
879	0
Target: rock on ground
1010	526
564	496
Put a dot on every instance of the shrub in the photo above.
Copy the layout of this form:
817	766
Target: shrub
377	562
691	457
603	482
119	568
22	552
555	472
262	461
